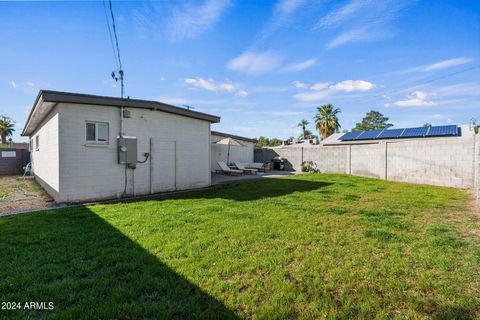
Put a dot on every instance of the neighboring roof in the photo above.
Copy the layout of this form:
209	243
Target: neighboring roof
50	98
402	133
335	139
227	135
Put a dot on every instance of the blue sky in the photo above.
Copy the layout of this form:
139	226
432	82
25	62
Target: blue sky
260	65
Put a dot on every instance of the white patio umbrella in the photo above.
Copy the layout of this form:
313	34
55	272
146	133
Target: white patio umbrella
230	142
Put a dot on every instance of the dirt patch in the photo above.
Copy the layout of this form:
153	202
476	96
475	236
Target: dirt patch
19	194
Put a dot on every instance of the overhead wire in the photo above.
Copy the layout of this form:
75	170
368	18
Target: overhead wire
110	35
115	34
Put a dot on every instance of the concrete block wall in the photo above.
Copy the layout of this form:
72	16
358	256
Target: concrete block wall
451	162
368	160
328	160
442	162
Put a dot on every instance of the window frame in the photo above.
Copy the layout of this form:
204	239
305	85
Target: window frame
96	141
37	142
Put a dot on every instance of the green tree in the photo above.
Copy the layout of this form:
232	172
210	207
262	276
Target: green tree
7	127
326	120
373	120
266	142
426	124
303	124
307	134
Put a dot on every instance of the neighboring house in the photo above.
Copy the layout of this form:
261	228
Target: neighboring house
77	156
241	154
398	135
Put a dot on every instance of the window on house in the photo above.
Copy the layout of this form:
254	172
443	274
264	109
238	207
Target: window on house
37	142
97	132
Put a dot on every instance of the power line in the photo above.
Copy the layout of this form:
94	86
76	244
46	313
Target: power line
118	74
110	35
399	89
428	81
115	34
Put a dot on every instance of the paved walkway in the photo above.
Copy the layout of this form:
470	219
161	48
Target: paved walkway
223	178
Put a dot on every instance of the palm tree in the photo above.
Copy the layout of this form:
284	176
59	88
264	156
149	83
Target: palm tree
303	123
6	128
326	120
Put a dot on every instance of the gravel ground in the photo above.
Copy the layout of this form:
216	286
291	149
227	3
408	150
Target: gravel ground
18	195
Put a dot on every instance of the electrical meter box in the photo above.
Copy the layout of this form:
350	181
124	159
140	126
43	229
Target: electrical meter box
127	150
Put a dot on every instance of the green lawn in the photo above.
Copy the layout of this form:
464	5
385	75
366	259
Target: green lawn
309	246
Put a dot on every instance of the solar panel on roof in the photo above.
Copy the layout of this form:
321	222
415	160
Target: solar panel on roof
419	132
450	130
370	134
391	133
350	135
414	132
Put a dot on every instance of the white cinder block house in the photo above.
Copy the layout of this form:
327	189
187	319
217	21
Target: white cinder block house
77	154
242	154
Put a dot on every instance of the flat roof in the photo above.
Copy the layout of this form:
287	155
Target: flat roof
228	135
49	98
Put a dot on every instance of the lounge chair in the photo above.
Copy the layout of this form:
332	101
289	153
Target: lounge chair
258	166
240	166
225	169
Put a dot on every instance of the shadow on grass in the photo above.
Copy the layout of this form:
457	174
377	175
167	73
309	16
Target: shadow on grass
254	189
90	270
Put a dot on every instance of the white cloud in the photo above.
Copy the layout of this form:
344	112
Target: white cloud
415	99
190	20
299	66
282	13
254	63
241	93
162	78
361	21
210	85
319	86
351	85
440	65
13	84
288	6
460	89
322	90
298	84
447	64
360	34
341	14
312	96
215	86
30	84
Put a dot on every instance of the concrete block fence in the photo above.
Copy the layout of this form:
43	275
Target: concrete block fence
451	162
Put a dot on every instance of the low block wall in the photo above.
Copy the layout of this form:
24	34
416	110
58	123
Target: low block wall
13	160
452	162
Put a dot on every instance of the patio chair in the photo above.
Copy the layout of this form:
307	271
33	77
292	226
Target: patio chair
241	166
258	166
226	170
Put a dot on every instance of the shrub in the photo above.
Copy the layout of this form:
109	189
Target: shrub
309	166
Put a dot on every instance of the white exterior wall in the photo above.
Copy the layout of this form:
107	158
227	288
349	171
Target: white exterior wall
45	157
180	156
240	154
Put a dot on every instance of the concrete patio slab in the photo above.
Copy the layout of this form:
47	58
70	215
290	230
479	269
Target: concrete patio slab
222	178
